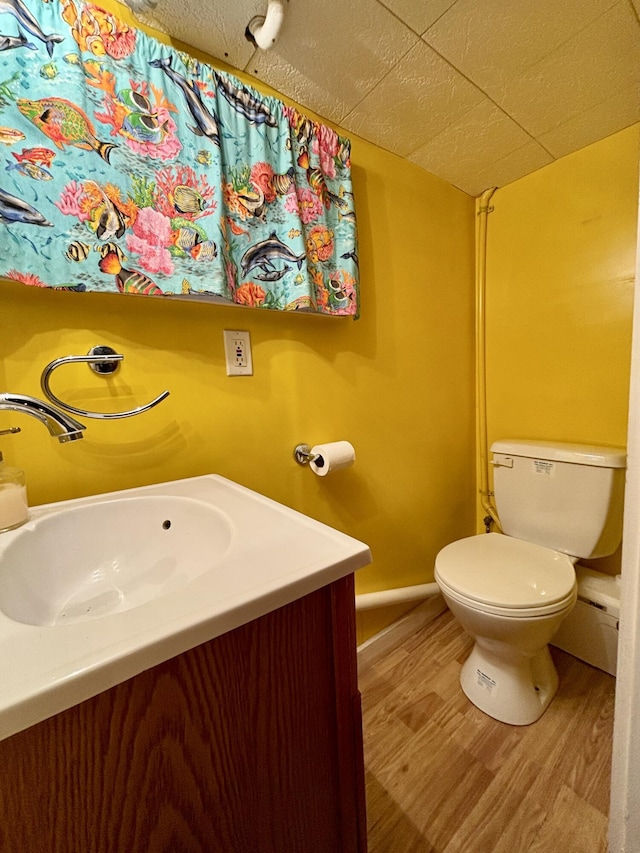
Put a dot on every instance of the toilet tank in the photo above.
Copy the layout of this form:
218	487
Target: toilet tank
567	497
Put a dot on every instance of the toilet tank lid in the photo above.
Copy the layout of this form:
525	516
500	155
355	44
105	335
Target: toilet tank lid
579	454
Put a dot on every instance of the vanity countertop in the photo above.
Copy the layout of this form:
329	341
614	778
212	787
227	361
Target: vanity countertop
272	556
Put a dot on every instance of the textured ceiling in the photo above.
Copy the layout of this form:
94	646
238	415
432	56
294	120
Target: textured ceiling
478	92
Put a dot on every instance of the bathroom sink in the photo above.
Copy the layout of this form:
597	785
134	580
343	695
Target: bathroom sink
94	591
93	561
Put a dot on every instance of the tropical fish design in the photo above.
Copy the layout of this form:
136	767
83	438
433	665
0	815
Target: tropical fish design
303	129
27	22
252	201
49	71
14	210
206	123
93	69
204	251
141	121
10	135
185	238
64	123
128	281
347	217
38	156
264	253
135	100
283	183
144	127
77	251
187	200
106	219
244	102
37	173
344	152
215	191
338	296
13	42
105	249
318	184
72	288
301	303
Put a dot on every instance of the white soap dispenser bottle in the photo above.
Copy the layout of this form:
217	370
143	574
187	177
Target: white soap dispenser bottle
14	509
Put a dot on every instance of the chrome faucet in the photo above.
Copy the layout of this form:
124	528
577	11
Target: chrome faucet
60	425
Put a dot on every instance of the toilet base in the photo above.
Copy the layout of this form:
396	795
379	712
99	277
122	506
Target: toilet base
507	685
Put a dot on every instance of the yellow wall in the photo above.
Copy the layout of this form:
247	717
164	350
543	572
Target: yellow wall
560	280
398	383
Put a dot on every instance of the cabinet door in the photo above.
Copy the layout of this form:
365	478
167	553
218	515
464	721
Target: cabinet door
251	742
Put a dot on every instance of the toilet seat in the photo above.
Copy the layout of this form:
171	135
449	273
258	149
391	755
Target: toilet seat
506	576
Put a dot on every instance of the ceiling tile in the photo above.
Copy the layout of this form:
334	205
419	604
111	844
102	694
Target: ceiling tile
493	41
468	152
602	58
216	29
615	113
481	136
413	103
329	61
420	15
514	166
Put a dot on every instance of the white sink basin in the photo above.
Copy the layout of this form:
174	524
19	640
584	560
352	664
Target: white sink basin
99	559
96	590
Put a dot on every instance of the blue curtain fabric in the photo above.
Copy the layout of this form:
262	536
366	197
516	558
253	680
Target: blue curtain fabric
131	167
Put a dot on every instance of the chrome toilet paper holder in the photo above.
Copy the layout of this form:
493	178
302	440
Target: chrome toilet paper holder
303	455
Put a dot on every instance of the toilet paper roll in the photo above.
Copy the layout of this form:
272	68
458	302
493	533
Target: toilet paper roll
330	457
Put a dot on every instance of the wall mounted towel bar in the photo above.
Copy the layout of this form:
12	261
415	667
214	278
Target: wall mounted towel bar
104	361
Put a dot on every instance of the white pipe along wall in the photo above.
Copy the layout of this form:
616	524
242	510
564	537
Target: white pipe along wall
399	595
482	212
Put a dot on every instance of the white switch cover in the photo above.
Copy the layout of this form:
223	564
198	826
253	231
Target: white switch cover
237	351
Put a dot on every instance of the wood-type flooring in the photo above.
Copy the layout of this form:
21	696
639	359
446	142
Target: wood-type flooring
442	777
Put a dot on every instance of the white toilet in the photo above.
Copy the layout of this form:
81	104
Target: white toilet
557	503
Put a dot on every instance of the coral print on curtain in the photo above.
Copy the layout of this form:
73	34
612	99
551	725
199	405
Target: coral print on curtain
132	167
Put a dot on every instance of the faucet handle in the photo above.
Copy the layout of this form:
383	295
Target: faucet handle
9	431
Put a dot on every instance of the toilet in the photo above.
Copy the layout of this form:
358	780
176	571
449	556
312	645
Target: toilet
510	591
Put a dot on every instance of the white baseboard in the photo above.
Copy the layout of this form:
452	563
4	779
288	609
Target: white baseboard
376	647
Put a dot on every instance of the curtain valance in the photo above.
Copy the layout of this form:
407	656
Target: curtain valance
132	167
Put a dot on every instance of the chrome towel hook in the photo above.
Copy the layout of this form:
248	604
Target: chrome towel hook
104	361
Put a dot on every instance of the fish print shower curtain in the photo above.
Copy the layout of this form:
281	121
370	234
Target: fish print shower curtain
131	167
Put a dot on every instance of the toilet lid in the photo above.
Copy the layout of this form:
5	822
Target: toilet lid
499	570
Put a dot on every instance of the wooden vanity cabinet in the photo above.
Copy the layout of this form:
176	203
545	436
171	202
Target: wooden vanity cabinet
250	743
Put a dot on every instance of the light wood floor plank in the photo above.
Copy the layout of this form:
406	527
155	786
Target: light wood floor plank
442	777
573	825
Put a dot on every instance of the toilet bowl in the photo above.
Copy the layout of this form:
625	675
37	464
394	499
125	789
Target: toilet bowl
510	596
557	503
